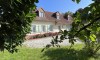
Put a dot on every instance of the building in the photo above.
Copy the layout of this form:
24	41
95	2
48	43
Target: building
49	22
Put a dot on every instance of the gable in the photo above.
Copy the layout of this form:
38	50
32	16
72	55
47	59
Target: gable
41	10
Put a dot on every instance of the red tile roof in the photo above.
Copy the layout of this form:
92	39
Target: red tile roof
50	17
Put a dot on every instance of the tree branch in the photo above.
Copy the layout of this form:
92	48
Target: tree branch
87	25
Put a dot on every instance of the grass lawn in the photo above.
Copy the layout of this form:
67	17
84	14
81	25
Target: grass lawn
61	53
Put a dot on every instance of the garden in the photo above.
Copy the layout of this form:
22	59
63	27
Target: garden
15	23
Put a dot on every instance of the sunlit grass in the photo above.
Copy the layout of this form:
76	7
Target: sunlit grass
61	53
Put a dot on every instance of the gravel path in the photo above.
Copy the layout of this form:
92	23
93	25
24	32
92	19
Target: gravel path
42	42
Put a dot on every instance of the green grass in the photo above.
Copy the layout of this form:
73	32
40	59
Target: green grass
62	53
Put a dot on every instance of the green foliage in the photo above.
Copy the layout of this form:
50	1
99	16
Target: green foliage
15	21
93	37
85	27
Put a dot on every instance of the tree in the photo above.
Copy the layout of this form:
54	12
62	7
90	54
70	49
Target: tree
15	22
85	26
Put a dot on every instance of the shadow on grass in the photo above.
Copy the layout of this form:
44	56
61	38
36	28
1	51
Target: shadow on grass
65	54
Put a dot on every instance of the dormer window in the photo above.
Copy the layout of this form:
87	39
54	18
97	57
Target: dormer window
70	18
58	15
41	14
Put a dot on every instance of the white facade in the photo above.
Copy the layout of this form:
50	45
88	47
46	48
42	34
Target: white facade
41	27
48	24
48	27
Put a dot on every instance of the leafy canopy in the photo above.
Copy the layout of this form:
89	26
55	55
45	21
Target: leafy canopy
85	27
15	22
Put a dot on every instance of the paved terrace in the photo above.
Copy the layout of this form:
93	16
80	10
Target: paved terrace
42	42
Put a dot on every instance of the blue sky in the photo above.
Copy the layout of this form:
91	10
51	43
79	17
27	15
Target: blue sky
62	5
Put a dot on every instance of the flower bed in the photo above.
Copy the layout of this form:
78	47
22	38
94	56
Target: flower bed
35	36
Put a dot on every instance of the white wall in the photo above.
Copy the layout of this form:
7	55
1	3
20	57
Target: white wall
63	27
55	27
40	23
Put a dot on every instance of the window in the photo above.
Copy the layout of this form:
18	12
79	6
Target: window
70	18
68	27
34	28
41	14
43	28
38	28
59	27
57	16
50	27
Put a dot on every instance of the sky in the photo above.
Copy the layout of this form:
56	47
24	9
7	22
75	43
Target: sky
62	5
